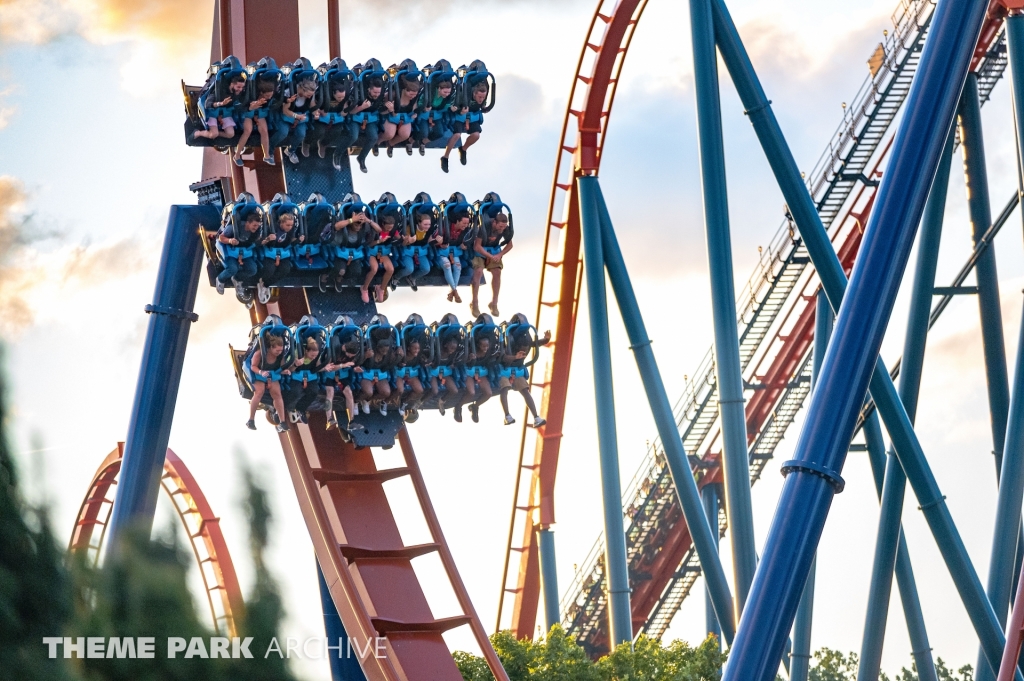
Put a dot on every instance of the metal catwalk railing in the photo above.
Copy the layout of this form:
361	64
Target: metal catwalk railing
649	502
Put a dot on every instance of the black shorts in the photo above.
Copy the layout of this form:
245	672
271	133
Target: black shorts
475	127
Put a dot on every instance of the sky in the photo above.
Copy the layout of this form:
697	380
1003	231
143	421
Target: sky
90	127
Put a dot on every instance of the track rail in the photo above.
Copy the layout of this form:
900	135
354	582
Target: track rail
220	582
579	153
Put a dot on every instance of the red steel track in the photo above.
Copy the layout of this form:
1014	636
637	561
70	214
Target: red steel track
590	103
201	526
367	566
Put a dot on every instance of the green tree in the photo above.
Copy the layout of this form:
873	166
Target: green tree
832	665
35	587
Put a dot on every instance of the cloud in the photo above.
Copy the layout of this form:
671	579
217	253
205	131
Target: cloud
97	265
16	276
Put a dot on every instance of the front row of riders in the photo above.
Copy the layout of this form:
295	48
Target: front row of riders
297	107
351	242
406	367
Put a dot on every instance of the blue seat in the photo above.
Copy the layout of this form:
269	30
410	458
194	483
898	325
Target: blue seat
235	214
315	214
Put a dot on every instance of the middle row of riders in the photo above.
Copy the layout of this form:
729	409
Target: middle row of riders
331	245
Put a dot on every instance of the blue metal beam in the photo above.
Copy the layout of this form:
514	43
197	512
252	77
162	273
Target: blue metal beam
801	654
620	627
344	665
705	540
1006	544
883	392
163	354
735	457
889	542
549	577
976	177
814	473
709	497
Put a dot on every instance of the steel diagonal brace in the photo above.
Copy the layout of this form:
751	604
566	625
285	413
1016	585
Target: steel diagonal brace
819	247
704	540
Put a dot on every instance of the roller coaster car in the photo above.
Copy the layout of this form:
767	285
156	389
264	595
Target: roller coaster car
455	204
488	208
198	109
433	77
516	333
414	330
379	330
308	327
363	73
388	206
444	332
484	327
315	214
242	359
235	214
471	76
398	74
335	76
297	71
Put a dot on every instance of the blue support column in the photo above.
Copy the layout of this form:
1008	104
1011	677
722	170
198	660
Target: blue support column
976	177
920	647
163	354
889	542
883	392
344	667
1004	565
735	457
709	497
619	616
549	577
705	540
814	473
801	654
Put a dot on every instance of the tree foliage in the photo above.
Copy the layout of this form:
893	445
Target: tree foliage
559	658
140	590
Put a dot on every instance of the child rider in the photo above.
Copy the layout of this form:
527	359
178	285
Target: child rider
240	270
277	264
265	374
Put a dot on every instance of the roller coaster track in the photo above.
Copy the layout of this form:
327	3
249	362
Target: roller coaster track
366	564
202	527
775	331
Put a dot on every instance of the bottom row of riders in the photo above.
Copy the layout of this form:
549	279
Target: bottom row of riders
405	367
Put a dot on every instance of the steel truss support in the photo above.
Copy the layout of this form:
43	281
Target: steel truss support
704	540
163	355
800	663
344	667
890	545
853	353
735	462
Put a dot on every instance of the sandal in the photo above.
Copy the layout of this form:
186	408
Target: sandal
474	309
365	295
457	298
451	294
493	307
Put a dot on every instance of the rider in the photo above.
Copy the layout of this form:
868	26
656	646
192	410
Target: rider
346	237
469	119
277	263
415	249
492	242
514	374
239	270
265	374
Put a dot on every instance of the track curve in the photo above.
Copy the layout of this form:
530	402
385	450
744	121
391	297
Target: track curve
223	594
